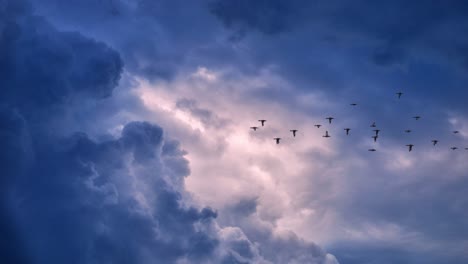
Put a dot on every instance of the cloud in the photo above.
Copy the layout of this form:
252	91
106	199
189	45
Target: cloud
207	118
269	17
333	192
119	198
292	63
62	66
110	201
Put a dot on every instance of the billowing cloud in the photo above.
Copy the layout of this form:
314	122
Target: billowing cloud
116	197
334	192
206	71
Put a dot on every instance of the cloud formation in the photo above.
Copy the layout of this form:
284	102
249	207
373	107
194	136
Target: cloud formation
205	71
119	198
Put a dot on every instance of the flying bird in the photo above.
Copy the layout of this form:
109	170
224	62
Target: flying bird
416	117
329	119
326	134
277	140
254	128
318	126
399	94
410	147
262	121
434	142
347	130
456	132
376	131
353	104
373	124
453	148
294	132
372	149
375	138
407	130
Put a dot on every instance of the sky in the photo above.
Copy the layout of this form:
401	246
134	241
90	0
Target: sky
125	131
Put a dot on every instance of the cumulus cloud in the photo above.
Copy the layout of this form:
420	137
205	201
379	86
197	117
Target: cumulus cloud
291	63
118	199
333	192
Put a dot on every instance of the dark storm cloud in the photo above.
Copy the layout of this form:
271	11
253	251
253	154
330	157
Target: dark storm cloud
42	68
69	197
269	17
157	40
74	189
79	187
84	193
342	45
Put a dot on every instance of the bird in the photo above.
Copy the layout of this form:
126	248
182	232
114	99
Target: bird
347	130
376	131
375	138
410	147
329	119
353	104
277	140
416	117
294	132
453	148
408	130
262	121
372	149
399	94
254	128
318	126
434	142
326	134
373	124
456	132
466	148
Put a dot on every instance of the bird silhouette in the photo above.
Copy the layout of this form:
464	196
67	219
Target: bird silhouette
347	130
353	104
408	130
410	147
330	119
416	117
453	148
399	94
434	142
372	149
373	124
456	132
318	126
262	121
294	132
254	128
277	140
375	138
326	134
376	131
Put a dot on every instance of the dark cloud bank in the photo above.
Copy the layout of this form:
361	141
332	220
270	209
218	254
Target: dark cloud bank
68	198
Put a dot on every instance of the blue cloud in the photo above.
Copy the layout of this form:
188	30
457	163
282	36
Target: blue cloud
121	197
68	196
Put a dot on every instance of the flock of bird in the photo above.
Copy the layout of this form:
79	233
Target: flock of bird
347	130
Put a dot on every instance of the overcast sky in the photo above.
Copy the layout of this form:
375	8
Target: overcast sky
125	131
